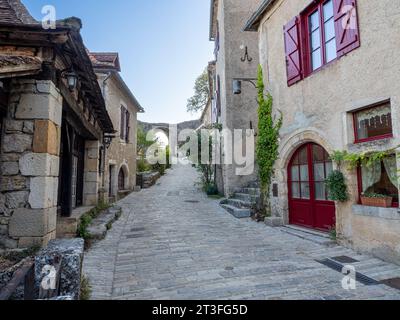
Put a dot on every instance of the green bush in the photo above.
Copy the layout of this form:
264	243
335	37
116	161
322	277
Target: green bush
337	188
211	190
143	166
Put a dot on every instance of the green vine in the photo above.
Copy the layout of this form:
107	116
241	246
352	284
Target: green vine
337	187
267	142
364	159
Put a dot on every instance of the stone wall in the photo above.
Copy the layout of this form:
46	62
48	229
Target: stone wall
318	109
120	154
237	110
30	164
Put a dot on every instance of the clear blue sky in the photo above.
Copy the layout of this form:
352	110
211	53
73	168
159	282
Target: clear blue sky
163	46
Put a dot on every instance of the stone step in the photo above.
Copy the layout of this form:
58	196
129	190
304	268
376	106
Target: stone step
236	212
240	204
246	197
310	235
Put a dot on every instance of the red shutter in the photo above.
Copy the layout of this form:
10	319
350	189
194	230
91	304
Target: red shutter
293	51
346	26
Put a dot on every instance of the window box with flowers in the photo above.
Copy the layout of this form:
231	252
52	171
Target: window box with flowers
376	200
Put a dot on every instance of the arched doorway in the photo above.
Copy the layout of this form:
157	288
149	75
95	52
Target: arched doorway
308	197
121	180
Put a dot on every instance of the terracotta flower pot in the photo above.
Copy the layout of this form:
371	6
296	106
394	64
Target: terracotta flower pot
377	202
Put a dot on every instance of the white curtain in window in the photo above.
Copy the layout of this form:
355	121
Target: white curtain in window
391	169
371	175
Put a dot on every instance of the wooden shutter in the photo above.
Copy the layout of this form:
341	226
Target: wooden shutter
122	126
293	51
346	26
128	116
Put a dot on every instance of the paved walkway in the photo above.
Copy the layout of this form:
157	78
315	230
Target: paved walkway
172	242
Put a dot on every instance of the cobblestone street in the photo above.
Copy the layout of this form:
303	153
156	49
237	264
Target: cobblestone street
172	242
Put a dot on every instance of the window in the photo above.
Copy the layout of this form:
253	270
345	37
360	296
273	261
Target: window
323	32
125	128
373	123
381	178
322	37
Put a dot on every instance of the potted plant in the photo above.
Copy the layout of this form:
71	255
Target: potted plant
376	200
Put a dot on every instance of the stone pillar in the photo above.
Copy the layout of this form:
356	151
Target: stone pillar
30	163
91	182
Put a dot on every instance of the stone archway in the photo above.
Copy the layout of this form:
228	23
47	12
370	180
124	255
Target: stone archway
123	183
289	145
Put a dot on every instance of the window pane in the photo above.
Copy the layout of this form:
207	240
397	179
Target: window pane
318	154
295	190
328	10
303	159
319	171
329	28
305	190
374	122
304	176
314	21
381	178
315	40
331	52
295	173
328	168
316	60
320	191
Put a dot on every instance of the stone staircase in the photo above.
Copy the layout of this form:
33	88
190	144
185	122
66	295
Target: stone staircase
242	203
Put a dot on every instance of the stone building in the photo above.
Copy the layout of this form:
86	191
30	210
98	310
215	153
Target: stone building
236	56
53	122
332	68
120	162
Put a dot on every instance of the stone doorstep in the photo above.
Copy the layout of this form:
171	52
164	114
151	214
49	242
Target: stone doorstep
67	227
308	234
99	227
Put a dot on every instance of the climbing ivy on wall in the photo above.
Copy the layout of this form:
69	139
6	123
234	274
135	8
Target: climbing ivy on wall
267	141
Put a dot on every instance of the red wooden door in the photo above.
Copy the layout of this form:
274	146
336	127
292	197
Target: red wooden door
308	197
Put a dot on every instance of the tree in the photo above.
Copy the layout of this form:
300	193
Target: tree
201	94
142	143
267	142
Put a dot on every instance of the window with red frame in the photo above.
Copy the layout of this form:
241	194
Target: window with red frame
323	32
373	123
380	178
321	35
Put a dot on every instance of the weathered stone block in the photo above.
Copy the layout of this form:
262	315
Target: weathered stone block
3	230
4	211
13	183
71	253
91	177
17	199
12	126
91	165
39	165
93	153
9	168
44	192
10	157
39	106
90	199
90	188
28	127
47	137
32	223
8	243
17	143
